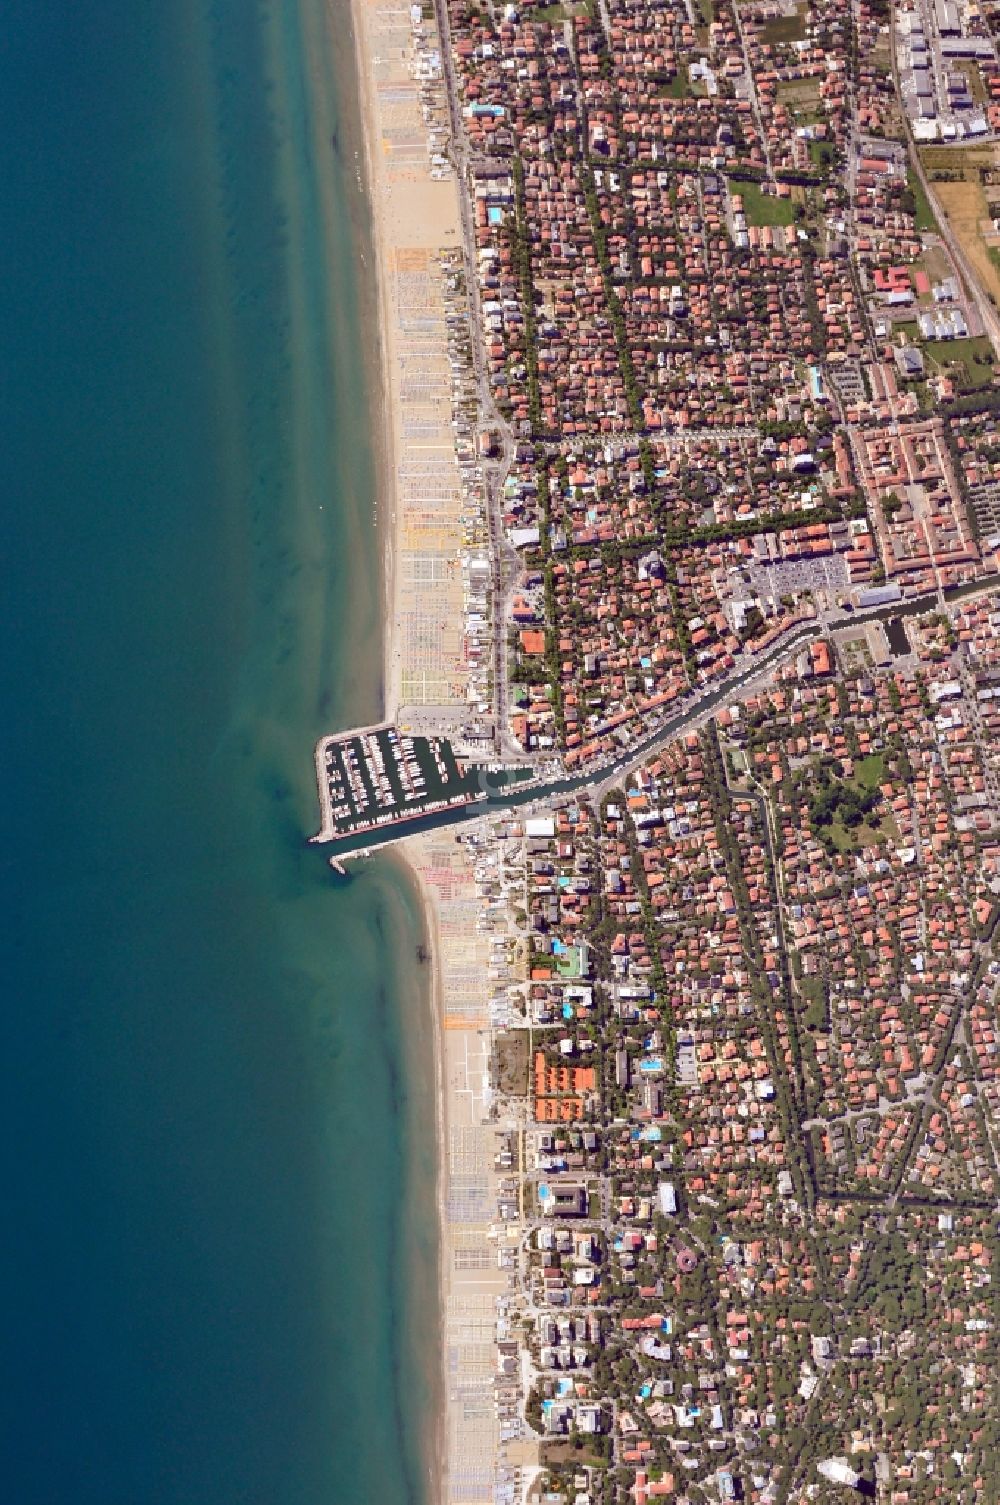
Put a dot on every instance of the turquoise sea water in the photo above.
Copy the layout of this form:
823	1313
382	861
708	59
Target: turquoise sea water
218	1241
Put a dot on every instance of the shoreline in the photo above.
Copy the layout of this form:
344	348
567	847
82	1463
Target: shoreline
437	1460
386	411
386	512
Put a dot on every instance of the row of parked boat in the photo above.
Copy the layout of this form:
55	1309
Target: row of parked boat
348	795
411	775
375	776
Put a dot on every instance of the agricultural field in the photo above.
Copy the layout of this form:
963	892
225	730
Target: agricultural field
963	200
959	159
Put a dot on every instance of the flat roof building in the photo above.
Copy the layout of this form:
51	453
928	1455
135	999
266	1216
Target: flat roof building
946	16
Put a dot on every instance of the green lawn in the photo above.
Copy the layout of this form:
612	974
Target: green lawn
822	154
559	13
877	826
761	208
923	217
679	86
977	88
865	835
812	991
568	962
974	356
869	772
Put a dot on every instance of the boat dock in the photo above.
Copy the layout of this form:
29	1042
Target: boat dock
377	778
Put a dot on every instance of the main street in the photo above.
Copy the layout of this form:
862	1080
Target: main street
495	472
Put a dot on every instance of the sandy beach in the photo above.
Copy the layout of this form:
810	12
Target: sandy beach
415	224
416	232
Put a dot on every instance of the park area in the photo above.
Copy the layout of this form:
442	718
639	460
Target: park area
846	813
